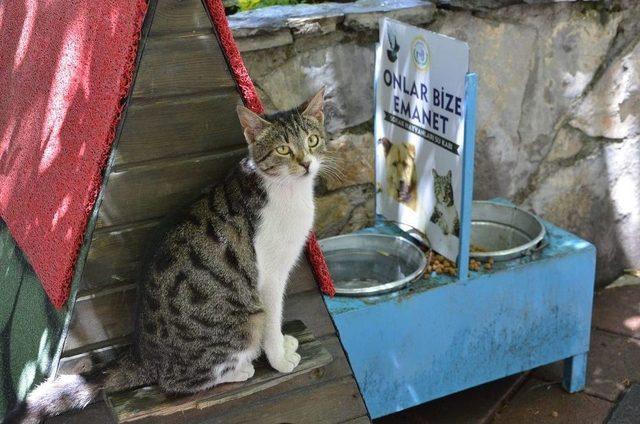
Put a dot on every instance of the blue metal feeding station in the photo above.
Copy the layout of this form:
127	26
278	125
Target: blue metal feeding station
442	334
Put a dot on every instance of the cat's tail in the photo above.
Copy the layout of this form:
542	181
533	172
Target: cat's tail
66	392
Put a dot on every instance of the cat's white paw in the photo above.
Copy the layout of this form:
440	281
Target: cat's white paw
290	343
286	363
239	374
247	371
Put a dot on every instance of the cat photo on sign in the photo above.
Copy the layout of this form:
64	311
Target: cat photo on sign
400	170
445	214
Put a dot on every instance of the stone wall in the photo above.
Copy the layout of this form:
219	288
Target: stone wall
559	104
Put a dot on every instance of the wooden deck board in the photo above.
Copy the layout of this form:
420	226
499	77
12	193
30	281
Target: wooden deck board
111	349
337	369
329	403
250	408
96	413
149	401
360	420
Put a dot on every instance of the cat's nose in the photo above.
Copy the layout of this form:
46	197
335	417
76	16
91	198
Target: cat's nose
306	164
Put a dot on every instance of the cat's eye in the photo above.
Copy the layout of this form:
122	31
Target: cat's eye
313	140
283	150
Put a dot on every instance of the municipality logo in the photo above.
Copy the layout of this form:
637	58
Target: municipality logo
420	53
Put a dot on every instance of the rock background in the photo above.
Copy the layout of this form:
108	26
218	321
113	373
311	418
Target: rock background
559	104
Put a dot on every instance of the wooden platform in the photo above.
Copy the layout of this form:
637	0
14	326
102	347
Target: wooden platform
149	404
327	393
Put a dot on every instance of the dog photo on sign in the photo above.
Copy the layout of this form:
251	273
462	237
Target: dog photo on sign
400	169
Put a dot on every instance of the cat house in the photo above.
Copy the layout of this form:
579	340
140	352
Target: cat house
177	133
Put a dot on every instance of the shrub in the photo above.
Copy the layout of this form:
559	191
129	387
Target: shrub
254	4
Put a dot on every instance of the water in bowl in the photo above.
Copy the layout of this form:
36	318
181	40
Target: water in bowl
357	268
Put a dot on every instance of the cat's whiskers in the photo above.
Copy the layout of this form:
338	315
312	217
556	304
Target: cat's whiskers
329	168
333	176
332	158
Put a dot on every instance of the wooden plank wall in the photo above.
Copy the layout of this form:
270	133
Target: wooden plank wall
180	135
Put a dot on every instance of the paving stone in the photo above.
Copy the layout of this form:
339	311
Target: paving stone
479	405
551	373
539	402
618	310
614	362
628	410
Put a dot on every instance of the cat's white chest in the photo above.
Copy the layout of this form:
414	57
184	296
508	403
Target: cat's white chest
284	227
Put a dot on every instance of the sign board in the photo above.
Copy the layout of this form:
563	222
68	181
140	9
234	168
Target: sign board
419	131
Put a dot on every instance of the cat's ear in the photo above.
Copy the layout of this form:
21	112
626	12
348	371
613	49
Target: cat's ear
386	144
412	150
252	124
314	107
449	175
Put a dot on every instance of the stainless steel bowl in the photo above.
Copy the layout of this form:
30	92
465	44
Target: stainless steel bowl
503	232
368	264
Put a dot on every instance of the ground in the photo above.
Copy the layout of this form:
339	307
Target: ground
612	393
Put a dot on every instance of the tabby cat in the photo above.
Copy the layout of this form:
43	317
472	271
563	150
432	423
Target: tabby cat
445	214
212	293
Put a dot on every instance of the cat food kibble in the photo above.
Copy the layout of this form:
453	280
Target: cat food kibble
441	265
489	264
